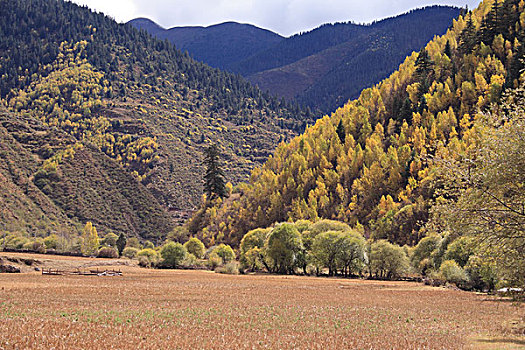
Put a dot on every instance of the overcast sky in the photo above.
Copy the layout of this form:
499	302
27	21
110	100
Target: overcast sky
285	17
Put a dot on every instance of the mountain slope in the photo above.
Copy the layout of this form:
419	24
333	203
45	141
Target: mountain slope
51	183
221	45
329	75
322	68
138	101
369	164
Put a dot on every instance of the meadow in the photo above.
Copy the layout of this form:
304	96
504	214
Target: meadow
178	309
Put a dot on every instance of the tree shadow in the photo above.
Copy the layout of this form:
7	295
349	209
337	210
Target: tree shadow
502	341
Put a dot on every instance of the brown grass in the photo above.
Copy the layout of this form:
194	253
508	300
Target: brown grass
171	309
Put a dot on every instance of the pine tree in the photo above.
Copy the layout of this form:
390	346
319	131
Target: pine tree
341	131
121	243
214	184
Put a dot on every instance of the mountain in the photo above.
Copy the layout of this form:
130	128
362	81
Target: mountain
328	66
52	183
221	45
322	68
370	164
140	111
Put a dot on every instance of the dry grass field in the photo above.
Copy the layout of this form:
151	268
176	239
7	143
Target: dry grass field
172	309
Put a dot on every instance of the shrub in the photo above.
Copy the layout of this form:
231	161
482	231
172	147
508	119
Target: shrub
482	273
453	273
149	245
225	252
387	260
319	227
151	255
109	240
253	259
35	246
144	261
130	252
421	257
173	254
28	246
51	242
189	261
214	260
133	242
231	268
282	248
196	247
39	246
107	252
460	250
121	243
252	245
13	241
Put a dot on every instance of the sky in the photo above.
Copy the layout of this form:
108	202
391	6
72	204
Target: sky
286	17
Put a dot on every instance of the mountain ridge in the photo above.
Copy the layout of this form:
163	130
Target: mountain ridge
290	67
219	45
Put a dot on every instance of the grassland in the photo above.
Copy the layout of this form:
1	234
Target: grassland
174	309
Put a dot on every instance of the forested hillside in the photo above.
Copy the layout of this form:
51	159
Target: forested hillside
52	183
371	163
221	46
328	66
134	99
322	68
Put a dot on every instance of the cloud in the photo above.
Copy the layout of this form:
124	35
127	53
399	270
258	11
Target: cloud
283	16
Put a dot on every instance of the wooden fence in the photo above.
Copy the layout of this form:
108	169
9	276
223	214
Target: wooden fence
96	272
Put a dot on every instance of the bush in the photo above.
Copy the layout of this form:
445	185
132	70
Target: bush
231	268
460	250
28	246
39	246
130	252
189	261
319	227
13	241
225	252
109	240
151	255
387	261
173	254
214	260
252	245
107	252
149	245
421	257
144	261
482	273
196	247
253	259
35	246
133	242
453	273
283	246
51	242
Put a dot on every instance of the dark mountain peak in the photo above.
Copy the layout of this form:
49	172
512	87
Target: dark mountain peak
146	24
219	45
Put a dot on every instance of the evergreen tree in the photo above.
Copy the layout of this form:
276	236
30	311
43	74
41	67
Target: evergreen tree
121	243
214	184
341	132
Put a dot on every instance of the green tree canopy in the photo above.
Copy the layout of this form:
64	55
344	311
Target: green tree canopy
282	248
